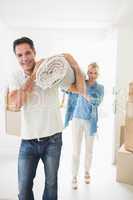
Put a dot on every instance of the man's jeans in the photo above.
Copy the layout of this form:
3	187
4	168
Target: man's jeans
48	150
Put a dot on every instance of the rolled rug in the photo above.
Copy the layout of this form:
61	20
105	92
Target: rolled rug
54	70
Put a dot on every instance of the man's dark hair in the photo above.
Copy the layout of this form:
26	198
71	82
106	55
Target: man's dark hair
21	41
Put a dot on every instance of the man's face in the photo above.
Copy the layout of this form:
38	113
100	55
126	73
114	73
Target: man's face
26	56
92	73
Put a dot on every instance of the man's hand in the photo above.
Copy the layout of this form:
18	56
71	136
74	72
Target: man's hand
28	86
17	98
33	75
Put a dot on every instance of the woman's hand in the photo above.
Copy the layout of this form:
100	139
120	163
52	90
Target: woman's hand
87	97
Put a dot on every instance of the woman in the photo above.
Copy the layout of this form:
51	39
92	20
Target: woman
83	111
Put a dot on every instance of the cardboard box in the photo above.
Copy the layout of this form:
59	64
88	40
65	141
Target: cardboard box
13	123
129	110
122	135
130	93
12	117
131	88
130	98
129	135
124	172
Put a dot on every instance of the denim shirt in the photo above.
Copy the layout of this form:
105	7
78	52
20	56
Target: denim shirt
71	104
79	107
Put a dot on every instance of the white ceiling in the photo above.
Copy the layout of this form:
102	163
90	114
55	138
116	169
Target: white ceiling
62	13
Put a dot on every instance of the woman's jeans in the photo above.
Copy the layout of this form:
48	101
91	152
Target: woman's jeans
31	151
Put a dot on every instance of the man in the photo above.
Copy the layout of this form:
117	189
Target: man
41	130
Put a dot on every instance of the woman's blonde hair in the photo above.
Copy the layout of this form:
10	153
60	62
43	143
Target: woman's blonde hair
95	66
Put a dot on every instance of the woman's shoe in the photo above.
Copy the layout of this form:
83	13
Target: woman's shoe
87	177
74	183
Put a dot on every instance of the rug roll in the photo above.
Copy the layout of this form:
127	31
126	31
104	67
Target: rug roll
55	70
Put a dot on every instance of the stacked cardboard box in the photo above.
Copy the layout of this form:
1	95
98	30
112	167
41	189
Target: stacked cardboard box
12	117
125	153
126	131
13	123
130	94
122	135
124	166
129	121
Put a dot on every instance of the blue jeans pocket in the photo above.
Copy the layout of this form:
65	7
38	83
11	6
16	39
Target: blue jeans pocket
56	139
26	148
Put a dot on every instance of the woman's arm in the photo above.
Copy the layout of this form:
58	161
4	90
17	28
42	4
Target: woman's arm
79	85
98	99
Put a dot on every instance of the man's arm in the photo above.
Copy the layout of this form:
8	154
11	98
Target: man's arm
17	98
